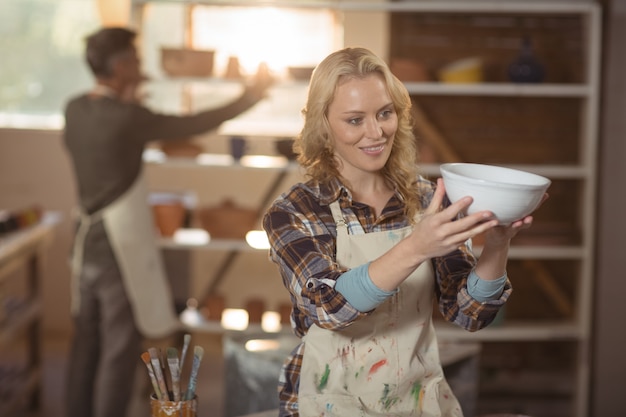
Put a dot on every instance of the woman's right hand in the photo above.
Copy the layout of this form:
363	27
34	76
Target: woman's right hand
441	231
437	233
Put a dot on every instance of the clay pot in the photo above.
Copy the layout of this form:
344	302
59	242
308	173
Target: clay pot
300	73
409	70
168	217
185	148
185	62
227	220
233	69
214	307
285	148
255	308
284	309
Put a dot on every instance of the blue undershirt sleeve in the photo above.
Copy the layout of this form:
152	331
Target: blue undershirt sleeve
359	290
485	290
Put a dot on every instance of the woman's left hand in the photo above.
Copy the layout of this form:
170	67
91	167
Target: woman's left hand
501	235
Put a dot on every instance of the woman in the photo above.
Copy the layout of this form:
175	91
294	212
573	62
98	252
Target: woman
363	247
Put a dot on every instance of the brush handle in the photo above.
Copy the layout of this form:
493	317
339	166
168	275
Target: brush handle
156	364
163	362
186	340
155	384
175	373
193	378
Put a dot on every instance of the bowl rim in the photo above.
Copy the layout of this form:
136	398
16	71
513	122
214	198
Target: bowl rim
446	171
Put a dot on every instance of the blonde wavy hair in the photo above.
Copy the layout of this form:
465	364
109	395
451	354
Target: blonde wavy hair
314	144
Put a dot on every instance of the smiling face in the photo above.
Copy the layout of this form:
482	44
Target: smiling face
363	123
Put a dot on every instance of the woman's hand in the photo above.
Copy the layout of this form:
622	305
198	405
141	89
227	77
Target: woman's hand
501	235
439	232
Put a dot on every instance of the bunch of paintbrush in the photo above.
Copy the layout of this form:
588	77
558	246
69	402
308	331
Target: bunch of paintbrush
169	388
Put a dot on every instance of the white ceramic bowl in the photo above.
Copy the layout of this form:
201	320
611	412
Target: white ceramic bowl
510	194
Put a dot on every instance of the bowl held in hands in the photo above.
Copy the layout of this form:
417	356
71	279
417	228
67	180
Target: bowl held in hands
510	194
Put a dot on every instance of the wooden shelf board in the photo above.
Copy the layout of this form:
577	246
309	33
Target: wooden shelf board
530	6
516	251
499	89
213	244
204	161
520	331
446	332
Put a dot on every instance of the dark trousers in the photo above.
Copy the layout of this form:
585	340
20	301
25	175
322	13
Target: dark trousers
106	345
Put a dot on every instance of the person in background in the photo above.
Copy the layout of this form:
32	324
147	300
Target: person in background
365	245
120	293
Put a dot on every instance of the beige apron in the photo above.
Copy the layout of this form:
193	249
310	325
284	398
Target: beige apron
386	364
130	227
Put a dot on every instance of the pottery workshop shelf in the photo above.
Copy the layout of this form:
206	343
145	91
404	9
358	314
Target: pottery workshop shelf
548	126
499	89
21	258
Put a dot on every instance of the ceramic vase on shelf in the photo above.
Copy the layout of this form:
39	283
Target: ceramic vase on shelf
169	217
526	68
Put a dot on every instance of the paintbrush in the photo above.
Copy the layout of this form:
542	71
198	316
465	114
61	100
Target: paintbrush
163	362
156	364
198	352
145	357
186	340
173	362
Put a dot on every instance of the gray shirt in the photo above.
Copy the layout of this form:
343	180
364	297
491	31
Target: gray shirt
106	139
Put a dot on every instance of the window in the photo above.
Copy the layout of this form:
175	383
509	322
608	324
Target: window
41	44
42	47
280	37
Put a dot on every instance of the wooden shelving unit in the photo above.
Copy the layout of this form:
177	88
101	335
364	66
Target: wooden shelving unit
21	257
550	128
